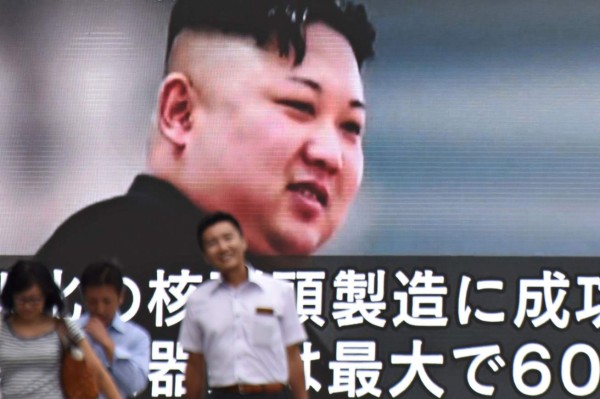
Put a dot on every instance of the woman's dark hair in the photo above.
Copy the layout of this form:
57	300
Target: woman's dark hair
283	20
25	274
101	273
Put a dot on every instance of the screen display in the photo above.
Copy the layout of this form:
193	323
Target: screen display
444	232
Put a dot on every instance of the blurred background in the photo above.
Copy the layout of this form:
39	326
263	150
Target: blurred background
482	132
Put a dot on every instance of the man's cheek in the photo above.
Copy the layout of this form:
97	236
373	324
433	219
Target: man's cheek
348	185
356	165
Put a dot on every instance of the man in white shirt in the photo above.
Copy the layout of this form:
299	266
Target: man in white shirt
242	328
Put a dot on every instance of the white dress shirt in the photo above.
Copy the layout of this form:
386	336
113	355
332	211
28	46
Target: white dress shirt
243	331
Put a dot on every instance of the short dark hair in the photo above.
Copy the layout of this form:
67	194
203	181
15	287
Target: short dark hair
102	273
25	274
283	20
212	219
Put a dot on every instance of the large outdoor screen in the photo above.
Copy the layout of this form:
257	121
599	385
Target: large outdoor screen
467	263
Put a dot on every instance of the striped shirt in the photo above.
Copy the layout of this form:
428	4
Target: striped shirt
30	367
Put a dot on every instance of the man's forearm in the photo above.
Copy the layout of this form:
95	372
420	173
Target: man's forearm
109	350
296	370
130	376
195	376
194	386
194	389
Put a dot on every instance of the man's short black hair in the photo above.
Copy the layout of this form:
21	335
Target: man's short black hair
283	20
102	273
211	220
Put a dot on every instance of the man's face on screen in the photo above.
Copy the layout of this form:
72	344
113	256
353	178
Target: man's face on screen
279	146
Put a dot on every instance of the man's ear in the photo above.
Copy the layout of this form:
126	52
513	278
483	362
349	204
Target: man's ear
175	106
122	297
244	243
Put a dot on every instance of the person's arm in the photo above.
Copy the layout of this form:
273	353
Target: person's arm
131	366
195	372
296	370
105	382
293	333
128	363
97	331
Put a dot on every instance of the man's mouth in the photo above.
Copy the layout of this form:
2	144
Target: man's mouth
312	191
225	257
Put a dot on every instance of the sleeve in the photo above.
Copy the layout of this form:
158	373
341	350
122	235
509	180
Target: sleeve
74	332
131	361
190	333
292	330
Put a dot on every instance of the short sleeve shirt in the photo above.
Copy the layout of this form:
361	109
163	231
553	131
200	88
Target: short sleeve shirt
243	331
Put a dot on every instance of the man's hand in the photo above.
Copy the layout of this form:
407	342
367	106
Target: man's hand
98	332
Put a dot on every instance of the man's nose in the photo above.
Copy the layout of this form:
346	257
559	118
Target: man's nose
95	310
222	245
324	148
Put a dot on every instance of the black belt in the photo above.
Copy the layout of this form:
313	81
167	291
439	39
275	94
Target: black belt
251	389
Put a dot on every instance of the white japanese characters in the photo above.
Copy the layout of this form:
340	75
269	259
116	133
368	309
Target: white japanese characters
355	306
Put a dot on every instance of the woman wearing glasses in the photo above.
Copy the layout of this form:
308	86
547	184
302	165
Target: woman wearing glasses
30	345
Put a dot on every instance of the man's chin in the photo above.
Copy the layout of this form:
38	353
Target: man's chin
288	243
105	322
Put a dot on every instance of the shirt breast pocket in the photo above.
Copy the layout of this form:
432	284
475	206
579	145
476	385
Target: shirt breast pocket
265	329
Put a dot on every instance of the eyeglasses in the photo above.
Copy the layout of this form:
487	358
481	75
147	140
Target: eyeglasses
29	300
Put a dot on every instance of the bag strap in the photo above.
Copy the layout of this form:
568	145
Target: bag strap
61	330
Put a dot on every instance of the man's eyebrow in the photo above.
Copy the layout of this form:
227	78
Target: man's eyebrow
315	86
357	104
307	82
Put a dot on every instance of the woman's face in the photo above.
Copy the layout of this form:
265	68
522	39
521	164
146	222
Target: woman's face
29	304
